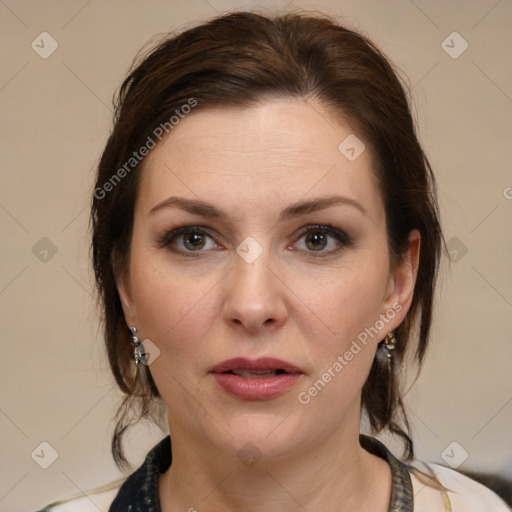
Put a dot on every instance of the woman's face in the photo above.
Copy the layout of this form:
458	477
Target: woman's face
246	280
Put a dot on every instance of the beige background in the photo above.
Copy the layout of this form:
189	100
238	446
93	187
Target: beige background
56	114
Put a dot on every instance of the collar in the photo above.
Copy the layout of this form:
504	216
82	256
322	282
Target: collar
402	497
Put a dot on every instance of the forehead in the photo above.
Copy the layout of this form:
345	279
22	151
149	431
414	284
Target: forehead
280	149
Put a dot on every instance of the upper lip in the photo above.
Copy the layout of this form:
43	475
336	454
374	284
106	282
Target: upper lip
260	364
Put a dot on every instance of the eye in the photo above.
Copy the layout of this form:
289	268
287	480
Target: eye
189	239
316	238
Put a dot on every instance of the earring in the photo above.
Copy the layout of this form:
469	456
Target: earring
136	346
384	351
390	342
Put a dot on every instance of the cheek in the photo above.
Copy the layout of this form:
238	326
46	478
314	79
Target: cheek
346	305
342	344
174	309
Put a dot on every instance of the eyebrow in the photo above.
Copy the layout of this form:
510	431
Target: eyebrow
205	209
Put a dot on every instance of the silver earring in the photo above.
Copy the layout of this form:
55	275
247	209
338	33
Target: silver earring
385	349
136	346
390	342
389	345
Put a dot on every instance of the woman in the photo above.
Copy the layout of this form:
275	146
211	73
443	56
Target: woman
266	244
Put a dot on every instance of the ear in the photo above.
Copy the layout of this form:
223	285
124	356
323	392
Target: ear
403	280
124	288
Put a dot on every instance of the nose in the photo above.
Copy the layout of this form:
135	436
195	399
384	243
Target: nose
255	294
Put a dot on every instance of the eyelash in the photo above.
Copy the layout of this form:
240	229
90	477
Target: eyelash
338	234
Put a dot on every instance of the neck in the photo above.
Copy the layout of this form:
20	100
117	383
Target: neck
335	474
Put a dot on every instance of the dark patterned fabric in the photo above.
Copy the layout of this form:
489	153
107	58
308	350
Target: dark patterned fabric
402	497
139	493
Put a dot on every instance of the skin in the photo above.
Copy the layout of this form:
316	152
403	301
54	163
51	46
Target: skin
252	163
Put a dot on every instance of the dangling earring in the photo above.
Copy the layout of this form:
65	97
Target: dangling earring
389	345
136	346
390	342
384	351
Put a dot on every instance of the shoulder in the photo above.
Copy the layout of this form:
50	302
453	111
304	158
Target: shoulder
464	494
92	502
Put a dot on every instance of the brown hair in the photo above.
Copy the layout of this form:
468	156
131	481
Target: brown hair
238	60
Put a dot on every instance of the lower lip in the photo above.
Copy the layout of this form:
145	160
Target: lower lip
259	388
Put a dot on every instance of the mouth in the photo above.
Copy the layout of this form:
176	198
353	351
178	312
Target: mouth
255	368
247	374
258	379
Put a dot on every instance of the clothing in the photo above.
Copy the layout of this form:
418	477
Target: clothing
139	492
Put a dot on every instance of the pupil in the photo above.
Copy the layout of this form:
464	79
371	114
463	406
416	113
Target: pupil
317	237
197	239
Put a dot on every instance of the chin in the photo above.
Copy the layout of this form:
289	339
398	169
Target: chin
264	435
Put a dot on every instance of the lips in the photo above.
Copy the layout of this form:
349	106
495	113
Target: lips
249	368
258	379
247	374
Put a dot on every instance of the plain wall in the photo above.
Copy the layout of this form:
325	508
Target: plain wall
56	116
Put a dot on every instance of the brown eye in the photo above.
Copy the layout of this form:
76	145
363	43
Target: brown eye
186	240
317	238
316	241
193	241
